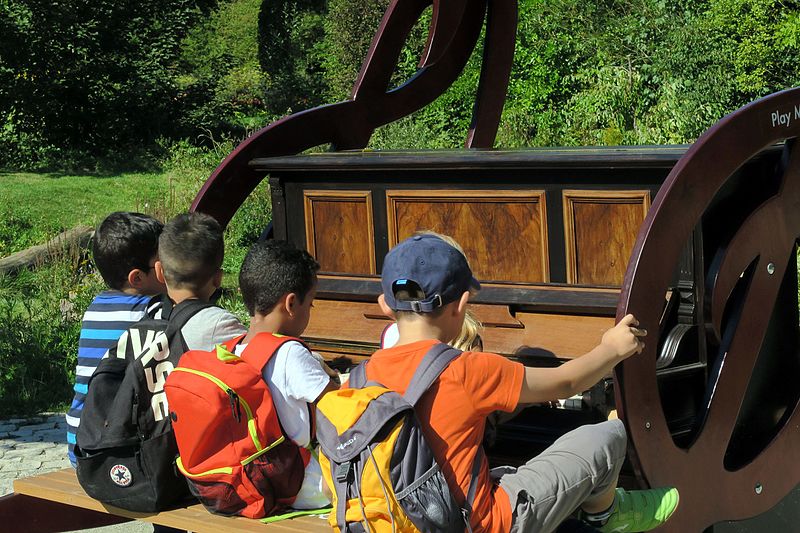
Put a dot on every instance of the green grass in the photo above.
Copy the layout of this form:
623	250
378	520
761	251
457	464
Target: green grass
34	207
41	309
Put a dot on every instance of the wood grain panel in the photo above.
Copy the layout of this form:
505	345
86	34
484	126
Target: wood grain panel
354	329
339	230
562	336
503	233
600	229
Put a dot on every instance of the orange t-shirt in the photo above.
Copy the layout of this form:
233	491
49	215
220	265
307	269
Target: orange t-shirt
453	414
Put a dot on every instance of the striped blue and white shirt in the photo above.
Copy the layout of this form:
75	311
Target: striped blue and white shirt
108	316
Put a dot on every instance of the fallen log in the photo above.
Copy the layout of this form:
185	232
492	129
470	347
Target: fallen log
75	238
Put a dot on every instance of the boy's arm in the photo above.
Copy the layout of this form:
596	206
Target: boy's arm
332	386
577	375
306	374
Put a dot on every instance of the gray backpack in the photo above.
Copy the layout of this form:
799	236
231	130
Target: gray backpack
378	462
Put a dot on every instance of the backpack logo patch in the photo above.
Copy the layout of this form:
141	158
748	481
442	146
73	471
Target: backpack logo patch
347	443
121	475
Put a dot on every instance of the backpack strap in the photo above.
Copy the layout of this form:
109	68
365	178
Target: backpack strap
358	376
230	345
178	315
262	347
257	354
432	365
466	510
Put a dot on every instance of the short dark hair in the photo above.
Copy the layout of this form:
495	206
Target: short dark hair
122	242
191	249
271	269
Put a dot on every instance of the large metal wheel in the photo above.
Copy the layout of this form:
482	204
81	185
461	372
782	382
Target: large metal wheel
734	201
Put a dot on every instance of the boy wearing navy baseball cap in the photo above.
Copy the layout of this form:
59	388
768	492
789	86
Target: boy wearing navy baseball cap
427	284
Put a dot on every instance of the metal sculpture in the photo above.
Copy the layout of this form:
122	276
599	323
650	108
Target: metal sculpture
726	292
454	31
749	293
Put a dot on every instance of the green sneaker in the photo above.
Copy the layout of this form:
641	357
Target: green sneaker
641	510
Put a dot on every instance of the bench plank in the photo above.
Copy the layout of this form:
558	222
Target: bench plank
43	516
62	487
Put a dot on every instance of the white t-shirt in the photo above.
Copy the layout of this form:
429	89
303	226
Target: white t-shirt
295	379
209	327
390	336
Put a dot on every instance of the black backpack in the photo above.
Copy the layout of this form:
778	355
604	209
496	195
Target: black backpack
126	449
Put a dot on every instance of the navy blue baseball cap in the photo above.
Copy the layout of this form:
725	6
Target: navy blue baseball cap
440	270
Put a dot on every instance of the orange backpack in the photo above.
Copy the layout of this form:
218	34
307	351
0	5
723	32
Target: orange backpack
233	451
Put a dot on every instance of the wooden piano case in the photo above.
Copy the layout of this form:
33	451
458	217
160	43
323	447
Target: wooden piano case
548	232
699	242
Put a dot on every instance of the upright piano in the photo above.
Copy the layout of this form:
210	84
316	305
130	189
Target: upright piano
548	232
699	242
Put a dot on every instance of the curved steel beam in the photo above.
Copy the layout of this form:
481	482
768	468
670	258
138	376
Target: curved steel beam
349	124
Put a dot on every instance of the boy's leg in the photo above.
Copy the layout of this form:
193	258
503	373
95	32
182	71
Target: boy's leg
581	466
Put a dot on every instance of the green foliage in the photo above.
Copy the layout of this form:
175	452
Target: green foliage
642	71
349	28
83	81
222	83
290	50
41	317
87	77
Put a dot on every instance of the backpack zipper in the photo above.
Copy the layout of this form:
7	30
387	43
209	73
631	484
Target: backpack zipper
251	421
224	470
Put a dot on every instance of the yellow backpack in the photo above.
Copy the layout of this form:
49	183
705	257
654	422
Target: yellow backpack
374	456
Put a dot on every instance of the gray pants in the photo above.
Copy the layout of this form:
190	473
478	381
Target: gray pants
550	487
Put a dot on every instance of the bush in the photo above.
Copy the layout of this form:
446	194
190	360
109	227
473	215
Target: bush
222	85
87	78
291	53
41	316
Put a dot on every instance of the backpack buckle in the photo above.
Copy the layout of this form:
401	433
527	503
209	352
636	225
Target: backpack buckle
344	472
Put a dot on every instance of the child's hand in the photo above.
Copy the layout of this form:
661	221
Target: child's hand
625	339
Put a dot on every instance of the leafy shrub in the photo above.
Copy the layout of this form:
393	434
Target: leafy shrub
41	316
349	28
89	77
291	53
222	84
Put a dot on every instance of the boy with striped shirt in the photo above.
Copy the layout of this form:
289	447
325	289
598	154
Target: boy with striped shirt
124	249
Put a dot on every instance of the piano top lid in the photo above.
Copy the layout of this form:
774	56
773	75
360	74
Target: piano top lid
606	157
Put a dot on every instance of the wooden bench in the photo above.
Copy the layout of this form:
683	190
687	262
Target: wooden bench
55	502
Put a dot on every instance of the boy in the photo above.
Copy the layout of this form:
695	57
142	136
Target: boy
124	250
426	286
190	253
189	265
278	285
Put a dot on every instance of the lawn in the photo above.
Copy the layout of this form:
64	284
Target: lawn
41	309
33	207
